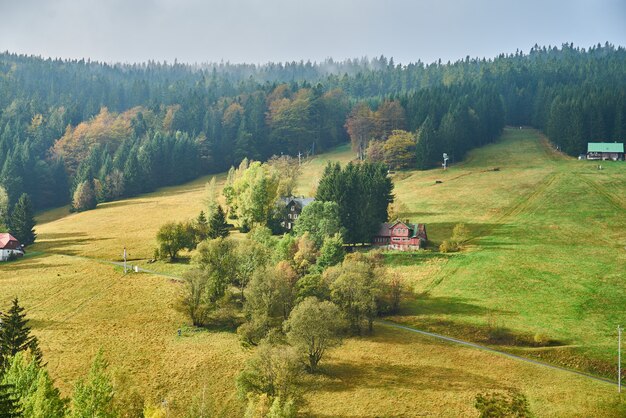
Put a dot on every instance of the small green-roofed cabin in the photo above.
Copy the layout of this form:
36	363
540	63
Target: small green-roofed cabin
605	151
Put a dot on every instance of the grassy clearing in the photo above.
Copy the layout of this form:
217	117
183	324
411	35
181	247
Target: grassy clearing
131	223
313	168
546	256
397	374
77	306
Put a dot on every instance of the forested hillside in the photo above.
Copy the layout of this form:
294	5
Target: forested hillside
119	130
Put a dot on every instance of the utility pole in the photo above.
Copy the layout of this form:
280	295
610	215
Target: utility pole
619	359
124	260
299	158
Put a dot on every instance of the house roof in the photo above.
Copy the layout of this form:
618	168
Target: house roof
9	242
417	230
605	147
300	201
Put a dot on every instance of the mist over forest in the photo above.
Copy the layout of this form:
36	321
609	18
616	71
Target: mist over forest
131	128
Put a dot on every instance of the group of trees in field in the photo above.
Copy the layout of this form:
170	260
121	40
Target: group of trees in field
357	198
253	191
72	130
173	237
362	192
18	220
293	297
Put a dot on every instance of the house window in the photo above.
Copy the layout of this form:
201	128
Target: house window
293	208
295	216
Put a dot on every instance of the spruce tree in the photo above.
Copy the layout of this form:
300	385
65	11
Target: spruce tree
9	406
425	152
217	224
22	221
4	207
201	227
15	334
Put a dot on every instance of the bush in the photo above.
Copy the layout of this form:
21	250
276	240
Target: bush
460	233
273	371
449	246
541	339
12	257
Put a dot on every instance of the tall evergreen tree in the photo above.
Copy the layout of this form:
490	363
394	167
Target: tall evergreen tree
4	207
218	227
22	221
15	334
426	148
363	193
9	405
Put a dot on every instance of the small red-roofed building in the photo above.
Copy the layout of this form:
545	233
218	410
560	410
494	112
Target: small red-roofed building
10	247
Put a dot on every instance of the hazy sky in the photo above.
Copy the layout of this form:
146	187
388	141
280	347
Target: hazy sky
258	31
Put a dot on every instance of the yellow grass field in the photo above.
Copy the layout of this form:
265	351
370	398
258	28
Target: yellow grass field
78	305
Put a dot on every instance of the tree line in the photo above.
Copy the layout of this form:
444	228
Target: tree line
155	124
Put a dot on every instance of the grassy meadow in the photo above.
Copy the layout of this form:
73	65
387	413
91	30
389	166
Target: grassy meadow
547	253
546	256
78	306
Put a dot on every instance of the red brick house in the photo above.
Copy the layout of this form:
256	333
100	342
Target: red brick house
9	245
401	236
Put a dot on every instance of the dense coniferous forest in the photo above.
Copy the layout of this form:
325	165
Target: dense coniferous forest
84	131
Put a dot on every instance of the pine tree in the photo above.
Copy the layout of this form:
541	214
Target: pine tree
217	224
9	407
23	221
201	227
426	145
15	334
4	207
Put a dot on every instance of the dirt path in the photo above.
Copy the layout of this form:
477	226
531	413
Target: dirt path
129	265
492	350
